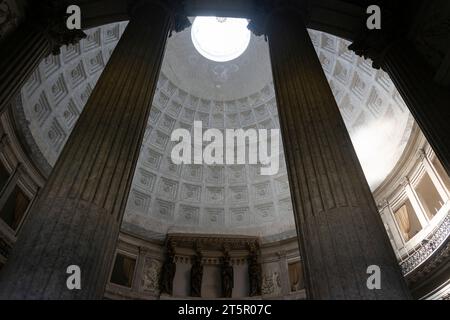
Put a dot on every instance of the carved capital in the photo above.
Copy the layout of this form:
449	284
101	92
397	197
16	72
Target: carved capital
258	22
382	204
372	45
175	8
404	182
264	11
282	254
421	154
50	17
375	44
181	21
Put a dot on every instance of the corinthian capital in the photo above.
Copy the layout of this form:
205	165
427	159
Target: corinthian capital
265	9
404	182
374	44
421	154
50	17
176	9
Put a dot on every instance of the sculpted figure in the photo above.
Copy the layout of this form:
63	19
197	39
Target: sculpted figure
254	272
168	272
196	276
227	277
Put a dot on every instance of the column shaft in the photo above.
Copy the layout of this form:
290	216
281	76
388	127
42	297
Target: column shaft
340	230
20	55
78	214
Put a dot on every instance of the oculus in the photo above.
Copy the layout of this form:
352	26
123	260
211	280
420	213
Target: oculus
220	39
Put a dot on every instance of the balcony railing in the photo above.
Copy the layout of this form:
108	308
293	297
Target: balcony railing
428	246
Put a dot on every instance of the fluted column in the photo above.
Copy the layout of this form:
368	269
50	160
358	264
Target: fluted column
78	214
42	33
340	230
427	100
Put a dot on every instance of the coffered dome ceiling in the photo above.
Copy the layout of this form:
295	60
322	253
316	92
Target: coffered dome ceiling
236	94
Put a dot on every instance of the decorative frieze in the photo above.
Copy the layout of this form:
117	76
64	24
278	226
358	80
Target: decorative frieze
212	242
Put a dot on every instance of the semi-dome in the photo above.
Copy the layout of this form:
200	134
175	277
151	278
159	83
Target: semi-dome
233	199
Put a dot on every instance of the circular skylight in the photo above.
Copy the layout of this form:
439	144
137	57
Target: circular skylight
220	39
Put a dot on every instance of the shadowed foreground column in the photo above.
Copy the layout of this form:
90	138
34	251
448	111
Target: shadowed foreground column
340	230
42	33
428	101
78	214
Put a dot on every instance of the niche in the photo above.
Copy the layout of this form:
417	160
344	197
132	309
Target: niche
123	270
15	208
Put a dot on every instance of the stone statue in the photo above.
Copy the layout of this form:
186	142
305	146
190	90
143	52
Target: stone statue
227	277
254	272
168	272
197	276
